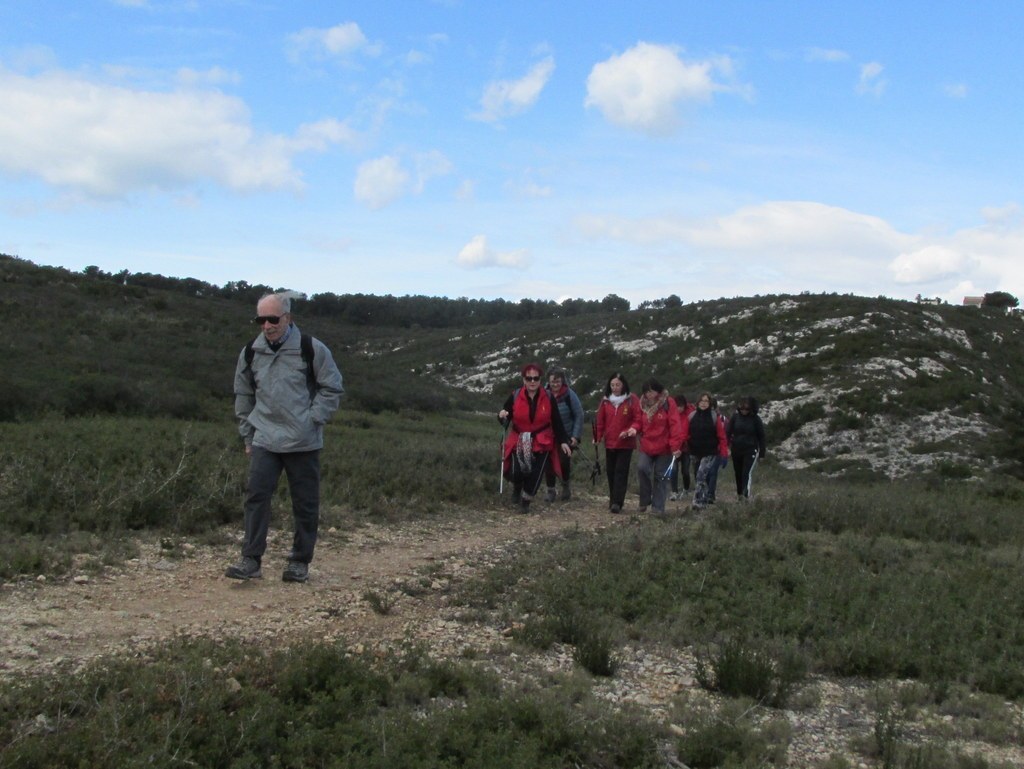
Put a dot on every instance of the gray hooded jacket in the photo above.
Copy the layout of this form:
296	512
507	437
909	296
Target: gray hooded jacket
279	414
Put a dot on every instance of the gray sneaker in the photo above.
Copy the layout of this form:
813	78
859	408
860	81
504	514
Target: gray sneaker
295	571
550	496
247	568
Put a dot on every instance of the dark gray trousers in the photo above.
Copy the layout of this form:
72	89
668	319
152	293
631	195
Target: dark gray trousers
303	471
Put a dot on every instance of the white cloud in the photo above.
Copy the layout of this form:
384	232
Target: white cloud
335	42
505	98
643	88
108	140
871	81
429	165
212	76
798	245
381	181
927	264
477	253
955	90
829	55
775	226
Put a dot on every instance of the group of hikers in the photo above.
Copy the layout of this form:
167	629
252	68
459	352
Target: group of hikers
287	386
544	425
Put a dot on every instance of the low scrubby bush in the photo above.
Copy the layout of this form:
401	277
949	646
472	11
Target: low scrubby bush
201	704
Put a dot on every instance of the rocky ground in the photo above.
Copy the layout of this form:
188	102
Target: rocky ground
178	588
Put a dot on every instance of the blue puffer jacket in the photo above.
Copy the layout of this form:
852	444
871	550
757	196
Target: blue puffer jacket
571	411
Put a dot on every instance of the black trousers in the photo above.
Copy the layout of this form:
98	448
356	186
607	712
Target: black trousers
528	481
617	462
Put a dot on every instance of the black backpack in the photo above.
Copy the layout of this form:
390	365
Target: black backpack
305	346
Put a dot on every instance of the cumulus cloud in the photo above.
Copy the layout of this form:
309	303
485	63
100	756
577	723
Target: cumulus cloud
927	264
871	81
107	140
505	98
799	245
382	181
643	88
337	42
477	253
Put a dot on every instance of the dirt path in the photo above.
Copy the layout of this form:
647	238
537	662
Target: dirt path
63	624
166	593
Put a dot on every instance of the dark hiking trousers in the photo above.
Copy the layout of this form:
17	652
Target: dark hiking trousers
617	463
303	471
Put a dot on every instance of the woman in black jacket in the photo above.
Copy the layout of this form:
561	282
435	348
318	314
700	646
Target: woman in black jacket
745	432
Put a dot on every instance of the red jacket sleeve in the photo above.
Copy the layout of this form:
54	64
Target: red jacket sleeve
676	434
723	443
600	421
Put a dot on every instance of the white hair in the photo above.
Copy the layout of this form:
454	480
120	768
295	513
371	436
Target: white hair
284	298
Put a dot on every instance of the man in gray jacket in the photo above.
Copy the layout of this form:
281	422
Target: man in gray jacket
286	388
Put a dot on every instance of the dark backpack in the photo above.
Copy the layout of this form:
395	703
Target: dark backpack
305	346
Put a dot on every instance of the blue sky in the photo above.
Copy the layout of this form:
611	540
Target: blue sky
528	149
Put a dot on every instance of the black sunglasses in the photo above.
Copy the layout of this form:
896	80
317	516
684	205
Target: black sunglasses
532	378
261	319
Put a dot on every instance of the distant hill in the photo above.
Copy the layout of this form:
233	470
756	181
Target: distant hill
848	385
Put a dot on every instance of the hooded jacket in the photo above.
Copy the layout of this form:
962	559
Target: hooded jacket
662	431
611	421
746	432
279	413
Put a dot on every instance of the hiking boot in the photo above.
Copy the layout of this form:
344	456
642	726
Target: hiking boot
614	509
673	497
550	496
642	509
247	568
295	571
524	504
566	492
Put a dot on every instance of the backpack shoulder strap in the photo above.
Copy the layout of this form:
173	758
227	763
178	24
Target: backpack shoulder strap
306	348
249	355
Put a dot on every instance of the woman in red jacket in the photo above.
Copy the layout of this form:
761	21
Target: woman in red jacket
618	412
662	435
536	436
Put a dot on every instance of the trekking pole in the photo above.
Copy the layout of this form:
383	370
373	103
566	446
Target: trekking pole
501	461
667	476
596	472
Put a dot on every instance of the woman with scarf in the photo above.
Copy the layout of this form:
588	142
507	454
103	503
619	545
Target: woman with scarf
662	434
535	438
571	412
617	414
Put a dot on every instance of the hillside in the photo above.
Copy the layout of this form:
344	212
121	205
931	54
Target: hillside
847	384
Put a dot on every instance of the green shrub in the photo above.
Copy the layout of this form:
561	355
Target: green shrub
728	737
202	704
737	669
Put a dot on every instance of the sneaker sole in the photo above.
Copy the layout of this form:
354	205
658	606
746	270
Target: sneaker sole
231	574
